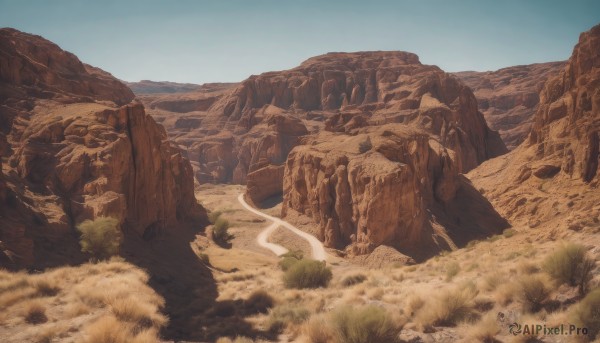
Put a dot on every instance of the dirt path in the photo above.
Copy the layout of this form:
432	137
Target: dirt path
318	250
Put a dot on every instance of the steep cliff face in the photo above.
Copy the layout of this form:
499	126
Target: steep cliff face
552	178
509	97
69	158
386	185
381	87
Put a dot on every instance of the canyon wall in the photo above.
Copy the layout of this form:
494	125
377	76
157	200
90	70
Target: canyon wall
72	153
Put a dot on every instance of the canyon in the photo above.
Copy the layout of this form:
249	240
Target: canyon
380	167
75	147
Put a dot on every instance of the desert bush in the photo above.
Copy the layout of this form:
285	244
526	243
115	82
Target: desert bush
449	308
220	232
307	274
365	145
364	324
213	216
141	314
317	330
492	280
571	265
284	315
534	292
101	238
484	330
352	280
587	313
259	302
452	269
35	312
289	259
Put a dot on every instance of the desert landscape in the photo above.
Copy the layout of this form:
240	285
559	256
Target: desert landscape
358	197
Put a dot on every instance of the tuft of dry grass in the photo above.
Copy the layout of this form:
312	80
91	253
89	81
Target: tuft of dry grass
484	330
34	312
449	307
317	331
259	302
534	291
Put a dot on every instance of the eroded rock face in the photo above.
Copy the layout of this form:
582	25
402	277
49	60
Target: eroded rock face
68	158
551	180
403	189
509	97
374	88
567	124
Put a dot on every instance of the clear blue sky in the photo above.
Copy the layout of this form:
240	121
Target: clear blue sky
209	41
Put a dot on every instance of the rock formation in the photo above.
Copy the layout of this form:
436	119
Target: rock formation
552	178
73	153
389	185
509	97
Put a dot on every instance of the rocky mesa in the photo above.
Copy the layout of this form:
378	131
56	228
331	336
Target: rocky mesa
75	150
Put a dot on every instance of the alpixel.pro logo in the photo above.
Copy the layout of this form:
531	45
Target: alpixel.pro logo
541	329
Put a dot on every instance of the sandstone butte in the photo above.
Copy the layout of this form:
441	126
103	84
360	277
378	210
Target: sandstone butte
551	180
296	134
509	97
75	147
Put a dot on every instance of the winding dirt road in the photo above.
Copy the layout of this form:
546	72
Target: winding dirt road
318	250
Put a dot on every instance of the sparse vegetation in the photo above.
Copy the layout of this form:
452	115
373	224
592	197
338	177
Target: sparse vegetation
101	238
449	307
285	315
289	259
307	274
35	312
259	302
352	280
534	292
587	313
364	325
571	265
509	233
484	330
220	232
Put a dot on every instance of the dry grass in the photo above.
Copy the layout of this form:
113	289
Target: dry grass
316	331
34	312
484	330
104	302
449	307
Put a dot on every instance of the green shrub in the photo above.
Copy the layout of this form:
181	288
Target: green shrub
259	302
289	259
367	324
571	265
213	216
284	315
534	292
307	274
220	232
365	145
587	313
353	280
452	269
101	238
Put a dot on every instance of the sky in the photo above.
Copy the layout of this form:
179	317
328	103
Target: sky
228	40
